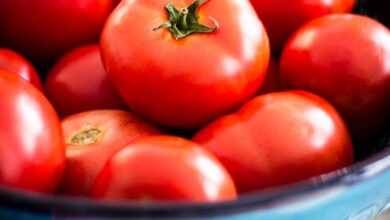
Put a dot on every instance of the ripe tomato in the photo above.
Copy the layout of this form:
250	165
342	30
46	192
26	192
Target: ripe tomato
279	138
78	82
10	61
32	151
179	77
164	168
281	18
91	138
271	81
346	59
44	29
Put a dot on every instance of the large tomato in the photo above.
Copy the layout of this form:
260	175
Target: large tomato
177	75
91	138
282	17
346	59
11	61
78	82
164	168
44	29
32	151
279	138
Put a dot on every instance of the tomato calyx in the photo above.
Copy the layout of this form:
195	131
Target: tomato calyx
86	136
184	22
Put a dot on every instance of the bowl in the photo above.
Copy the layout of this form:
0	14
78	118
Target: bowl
358	192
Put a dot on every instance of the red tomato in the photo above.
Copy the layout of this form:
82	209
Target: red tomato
45	29
282	17
91	138
78	82
184	80
164	168
271	82
12	62
32	151
279	138
346	59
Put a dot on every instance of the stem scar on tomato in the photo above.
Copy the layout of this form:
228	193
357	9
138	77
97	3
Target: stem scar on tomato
86	136
184	22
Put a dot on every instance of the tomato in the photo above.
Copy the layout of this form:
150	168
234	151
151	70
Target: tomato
32	151
279	138
346	59
271	81
78	82
164	168
91	138
11	61
183	78
45	29
281	18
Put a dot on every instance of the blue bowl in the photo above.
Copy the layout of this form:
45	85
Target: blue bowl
359	192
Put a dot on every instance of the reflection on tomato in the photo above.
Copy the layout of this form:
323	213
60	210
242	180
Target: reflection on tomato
279	138
164	168
32	151
13	62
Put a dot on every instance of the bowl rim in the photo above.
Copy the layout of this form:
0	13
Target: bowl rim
361	171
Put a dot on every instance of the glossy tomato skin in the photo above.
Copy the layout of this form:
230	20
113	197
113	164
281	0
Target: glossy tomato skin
345	59
185	83
43	30
164	168
282	18
109	131
11	61
78	82
32	151
279	138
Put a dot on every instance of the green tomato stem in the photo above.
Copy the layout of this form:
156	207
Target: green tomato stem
184	22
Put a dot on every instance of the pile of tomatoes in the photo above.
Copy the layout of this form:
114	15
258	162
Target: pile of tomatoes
185	100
